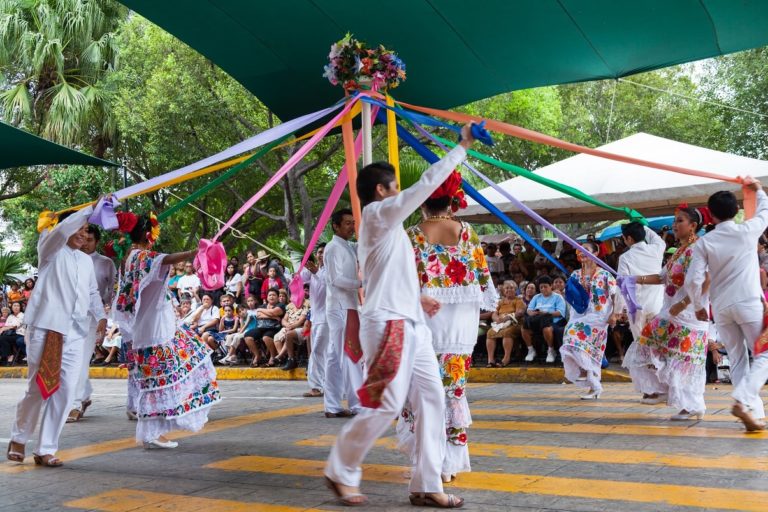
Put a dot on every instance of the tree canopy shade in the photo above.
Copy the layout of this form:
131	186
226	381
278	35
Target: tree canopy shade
456	52
19	148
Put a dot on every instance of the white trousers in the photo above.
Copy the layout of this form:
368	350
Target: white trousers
343	377
84	388
316	365
55	408
739	325
748	390
418	380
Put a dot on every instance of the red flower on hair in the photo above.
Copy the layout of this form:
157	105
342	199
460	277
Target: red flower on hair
126	221
456	271
451	188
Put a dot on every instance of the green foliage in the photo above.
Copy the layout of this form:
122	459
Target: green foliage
10	264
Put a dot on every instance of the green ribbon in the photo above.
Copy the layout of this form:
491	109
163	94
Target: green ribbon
632	215
221	179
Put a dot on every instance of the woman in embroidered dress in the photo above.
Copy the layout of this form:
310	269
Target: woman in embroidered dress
585	334
670	356
452	268
171	368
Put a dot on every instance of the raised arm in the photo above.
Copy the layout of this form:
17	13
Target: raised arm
51	242
757	224
655	241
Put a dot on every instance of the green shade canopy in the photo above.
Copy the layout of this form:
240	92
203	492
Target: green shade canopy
455	51
19	148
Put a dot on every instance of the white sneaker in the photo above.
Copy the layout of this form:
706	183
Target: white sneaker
166	445
551	355
531	355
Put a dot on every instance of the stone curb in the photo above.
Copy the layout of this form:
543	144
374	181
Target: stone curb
528	375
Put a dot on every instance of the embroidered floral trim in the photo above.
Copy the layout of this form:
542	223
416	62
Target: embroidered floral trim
164	365
673	340
676	270
453	373
586	338
457	436
205	397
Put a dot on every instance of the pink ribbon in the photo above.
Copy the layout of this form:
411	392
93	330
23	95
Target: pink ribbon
297	283
287	166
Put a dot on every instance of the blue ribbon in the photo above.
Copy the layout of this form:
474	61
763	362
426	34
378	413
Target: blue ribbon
431	157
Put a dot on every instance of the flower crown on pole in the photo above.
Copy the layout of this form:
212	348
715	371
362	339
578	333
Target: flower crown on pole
355	66
451	188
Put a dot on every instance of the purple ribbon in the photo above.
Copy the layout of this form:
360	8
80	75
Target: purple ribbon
532	214
104	213
628	287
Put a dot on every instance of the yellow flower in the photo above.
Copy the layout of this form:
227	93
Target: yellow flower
455	368
419	239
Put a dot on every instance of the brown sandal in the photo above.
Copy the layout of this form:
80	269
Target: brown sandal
15	455
314	393
48	461
349	500
424	500
74	416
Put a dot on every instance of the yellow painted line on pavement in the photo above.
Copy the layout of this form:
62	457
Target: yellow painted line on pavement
600	456
546	413
116	445
124	500
622	430
675	495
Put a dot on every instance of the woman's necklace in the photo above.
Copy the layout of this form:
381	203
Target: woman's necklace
680	250
436	218
586	280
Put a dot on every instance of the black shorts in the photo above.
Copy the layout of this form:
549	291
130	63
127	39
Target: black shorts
260	332
538	322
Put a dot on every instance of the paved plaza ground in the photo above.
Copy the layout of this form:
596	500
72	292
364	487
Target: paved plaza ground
533	446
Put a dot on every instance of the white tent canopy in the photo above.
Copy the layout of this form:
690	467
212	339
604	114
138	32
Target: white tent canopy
650	191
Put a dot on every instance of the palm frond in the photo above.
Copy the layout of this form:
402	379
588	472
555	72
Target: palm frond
10	264
16	103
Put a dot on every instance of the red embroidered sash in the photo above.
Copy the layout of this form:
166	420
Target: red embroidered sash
384	366
48	376
761	343
352	336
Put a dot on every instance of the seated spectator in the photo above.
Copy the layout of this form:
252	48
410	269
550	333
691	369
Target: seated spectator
113	340
228	324
291	334
14	294
173	282
505	324
11	322
269	316
233	283
227	300
16	318
619	332
189	282
205	321
271	281
247	322
495	266
529	291
544	311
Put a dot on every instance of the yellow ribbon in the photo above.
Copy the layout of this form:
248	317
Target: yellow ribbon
47	220
394	156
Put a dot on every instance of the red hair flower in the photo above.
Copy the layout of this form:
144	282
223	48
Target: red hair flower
126	221
451	188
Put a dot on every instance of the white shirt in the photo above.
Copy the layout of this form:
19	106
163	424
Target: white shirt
729	253
66	291
391	284
317	293
233	282
642	259
208	314
188	283
340	260
106	275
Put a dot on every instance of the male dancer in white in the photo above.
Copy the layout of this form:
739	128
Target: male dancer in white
643	257
393	303
106	274
729	254
314	274
341	278
57	316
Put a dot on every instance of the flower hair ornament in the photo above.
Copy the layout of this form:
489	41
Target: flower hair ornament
451	188
154	232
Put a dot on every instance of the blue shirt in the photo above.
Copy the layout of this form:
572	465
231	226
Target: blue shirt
554	302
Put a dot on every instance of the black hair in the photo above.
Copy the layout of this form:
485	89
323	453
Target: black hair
139	232
277	292
338	216
226	270
321	245
723	205
437	205
545	280
595	249
494	247
377	173
95	231
504	246
693	215
633	230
